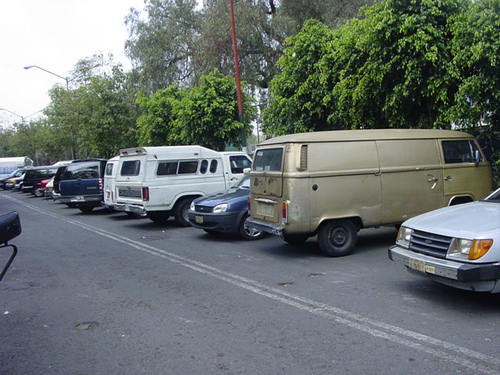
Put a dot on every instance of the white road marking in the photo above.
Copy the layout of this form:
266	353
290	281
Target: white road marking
441	349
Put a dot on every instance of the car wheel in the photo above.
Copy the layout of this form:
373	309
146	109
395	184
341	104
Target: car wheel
181	212
86	209
248	234
37	192
337	238
159	217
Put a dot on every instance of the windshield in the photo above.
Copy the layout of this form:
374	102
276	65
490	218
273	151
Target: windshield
243	183
494	197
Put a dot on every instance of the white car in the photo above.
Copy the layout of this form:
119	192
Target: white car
458	245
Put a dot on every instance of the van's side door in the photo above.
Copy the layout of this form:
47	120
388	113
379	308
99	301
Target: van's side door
465	171
411	178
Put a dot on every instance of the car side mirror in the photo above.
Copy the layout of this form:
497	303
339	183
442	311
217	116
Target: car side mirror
10	227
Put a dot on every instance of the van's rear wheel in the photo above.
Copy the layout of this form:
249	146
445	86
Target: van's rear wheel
337	238
159	217
181	212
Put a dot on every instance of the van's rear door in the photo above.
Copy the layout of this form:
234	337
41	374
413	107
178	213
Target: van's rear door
266	183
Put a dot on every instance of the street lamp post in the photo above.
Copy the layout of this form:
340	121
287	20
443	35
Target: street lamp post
48	71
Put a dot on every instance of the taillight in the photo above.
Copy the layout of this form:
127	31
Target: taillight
284	212
100	184
248	203
145	194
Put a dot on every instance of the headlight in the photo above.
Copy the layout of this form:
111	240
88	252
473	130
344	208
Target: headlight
404	236
220	208
469	249
191	207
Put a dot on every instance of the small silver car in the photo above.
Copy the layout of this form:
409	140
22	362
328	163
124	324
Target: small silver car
458	245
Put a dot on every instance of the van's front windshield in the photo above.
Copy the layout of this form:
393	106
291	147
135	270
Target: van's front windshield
268	160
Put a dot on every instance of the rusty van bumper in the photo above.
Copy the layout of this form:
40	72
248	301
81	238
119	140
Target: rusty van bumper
266	227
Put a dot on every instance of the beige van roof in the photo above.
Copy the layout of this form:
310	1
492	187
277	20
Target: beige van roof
368	134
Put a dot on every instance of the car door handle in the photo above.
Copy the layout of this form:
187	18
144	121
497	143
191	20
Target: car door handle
448	178
432	179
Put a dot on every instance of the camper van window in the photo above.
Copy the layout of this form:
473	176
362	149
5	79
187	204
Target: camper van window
204	166
131	168
238	163
109	169
460	152
188	167
166	168
268	160
213	166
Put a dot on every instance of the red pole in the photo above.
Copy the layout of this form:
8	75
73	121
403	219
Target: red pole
236	63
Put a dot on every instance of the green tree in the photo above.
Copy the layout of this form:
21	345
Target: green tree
160	46
206	115
156	122
402	64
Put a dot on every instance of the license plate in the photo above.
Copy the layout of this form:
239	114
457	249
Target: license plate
416	265
199	219
78	198
265	209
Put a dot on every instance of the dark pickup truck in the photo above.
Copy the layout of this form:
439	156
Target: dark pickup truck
81	184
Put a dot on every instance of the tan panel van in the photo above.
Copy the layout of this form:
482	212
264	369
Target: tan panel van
334	183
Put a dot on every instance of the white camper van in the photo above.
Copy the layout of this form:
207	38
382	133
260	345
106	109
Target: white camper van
163	181
109	193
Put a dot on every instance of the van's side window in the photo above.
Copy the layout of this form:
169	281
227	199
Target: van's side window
268	160
165	168
109	169
188	167
204	166
131	168
238	163
463	151
213	166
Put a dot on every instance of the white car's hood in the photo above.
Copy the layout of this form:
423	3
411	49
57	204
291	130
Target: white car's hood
468	221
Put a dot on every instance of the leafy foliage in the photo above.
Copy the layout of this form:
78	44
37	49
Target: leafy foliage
206	115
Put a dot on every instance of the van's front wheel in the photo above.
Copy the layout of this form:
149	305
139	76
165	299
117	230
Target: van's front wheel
337	238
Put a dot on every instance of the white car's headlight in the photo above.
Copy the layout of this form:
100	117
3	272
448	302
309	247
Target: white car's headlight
220	208
191	207
469	249
404	236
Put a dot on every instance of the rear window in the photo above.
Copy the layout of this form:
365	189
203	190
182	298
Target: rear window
268	160
463	151
109	169
83	171
130	168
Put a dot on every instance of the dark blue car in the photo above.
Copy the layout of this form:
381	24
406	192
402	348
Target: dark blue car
225	212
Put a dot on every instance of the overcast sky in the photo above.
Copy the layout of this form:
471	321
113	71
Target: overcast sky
54	35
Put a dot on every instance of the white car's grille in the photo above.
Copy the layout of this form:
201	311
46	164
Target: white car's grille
430	244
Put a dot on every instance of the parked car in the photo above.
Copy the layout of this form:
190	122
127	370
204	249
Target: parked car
81	184
15	183
17	173
225	212
34	177
458	245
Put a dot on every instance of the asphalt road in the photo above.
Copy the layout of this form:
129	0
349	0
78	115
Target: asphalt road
104	293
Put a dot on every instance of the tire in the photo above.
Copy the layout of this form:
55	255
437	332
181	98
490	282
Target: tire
248	234
37	191
295	238
86	209
159	217
181	212
337	238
